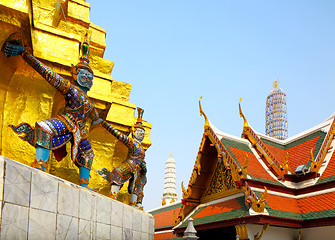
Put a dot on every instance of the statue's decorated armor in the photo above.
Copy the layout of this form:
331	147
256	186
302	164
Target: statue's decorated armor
54	133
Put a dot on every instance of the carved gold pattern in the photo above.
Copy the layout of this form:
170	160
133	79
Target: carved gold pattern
183	189
285	164
242	232
313	162
243	172
258	205
259	236
222	180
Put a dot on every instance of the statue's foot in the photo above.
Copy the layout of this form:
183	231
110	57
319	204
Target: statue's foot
113	196
40	165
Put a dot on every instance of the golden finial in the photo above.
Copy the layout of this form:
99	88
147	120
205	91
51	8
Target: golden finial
183	189
242	115
275	83
202	113
170	155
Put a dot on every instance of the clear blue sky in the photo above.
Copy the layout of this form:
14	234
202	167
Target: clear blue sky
174	51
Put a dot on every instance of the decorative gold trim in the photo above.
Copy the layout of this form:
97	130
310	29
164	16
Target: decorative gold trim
259	236
300	233
183	188
256	142
242	232
275	83
242	115
324	148
203	114
258	205
229	163
219	195
285	164
313	162
243	172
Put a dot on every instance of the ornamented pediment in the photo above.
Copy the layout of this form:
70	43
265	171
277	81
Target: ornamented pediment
222	180
222	183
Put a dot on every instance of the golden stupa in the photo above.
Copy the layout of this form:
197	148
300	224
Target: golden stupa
52	30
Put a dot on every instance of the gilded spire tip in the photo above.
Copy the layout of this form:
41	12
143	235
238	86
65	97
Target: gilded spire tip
275	83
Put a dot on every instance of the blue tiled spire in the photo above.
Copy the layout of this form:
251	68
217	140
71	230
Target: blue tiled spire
276	113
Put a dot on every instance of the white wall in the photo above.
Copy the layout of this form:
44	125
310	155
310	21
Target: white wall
278	233
274	233
37	205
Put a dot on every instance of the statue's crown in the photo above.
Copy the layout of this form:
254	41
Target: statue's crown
85	50
138	123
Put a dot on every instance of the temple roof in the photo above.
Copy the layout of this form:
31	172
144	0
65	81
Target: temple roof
255	179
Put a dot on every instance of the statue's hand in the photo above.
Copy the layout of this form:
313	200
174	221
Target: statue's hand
12	49
104	173
98	121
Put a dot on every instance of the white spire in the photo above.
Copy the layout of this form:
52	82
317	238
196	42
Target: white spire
170	192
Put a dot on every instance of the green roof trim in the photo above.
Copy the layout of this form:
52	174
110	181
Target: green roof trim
319	214
235	144
320	134
325	180
243	211
283	214
273	144
167	208
266	181
230	143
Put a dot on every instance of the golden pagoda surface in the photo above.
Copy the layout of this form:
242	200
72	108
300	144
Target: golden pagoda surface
53	31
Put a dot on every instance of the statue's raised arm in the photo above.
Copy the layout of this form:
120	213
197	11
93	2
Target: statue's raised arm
119	135
13	49
54	133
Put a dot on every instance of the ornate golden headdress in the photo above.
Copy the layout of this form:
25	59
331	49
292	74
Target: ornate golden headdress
85	50
138	123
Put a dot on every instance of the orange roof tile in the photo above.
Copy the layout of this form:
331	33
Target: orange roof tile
282	203
217	208
320	202
166	218
255	169
300	154
279	154
310	204
330	170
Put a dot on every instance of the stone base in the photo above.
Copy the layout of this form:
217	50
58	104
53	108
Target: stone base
37	205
